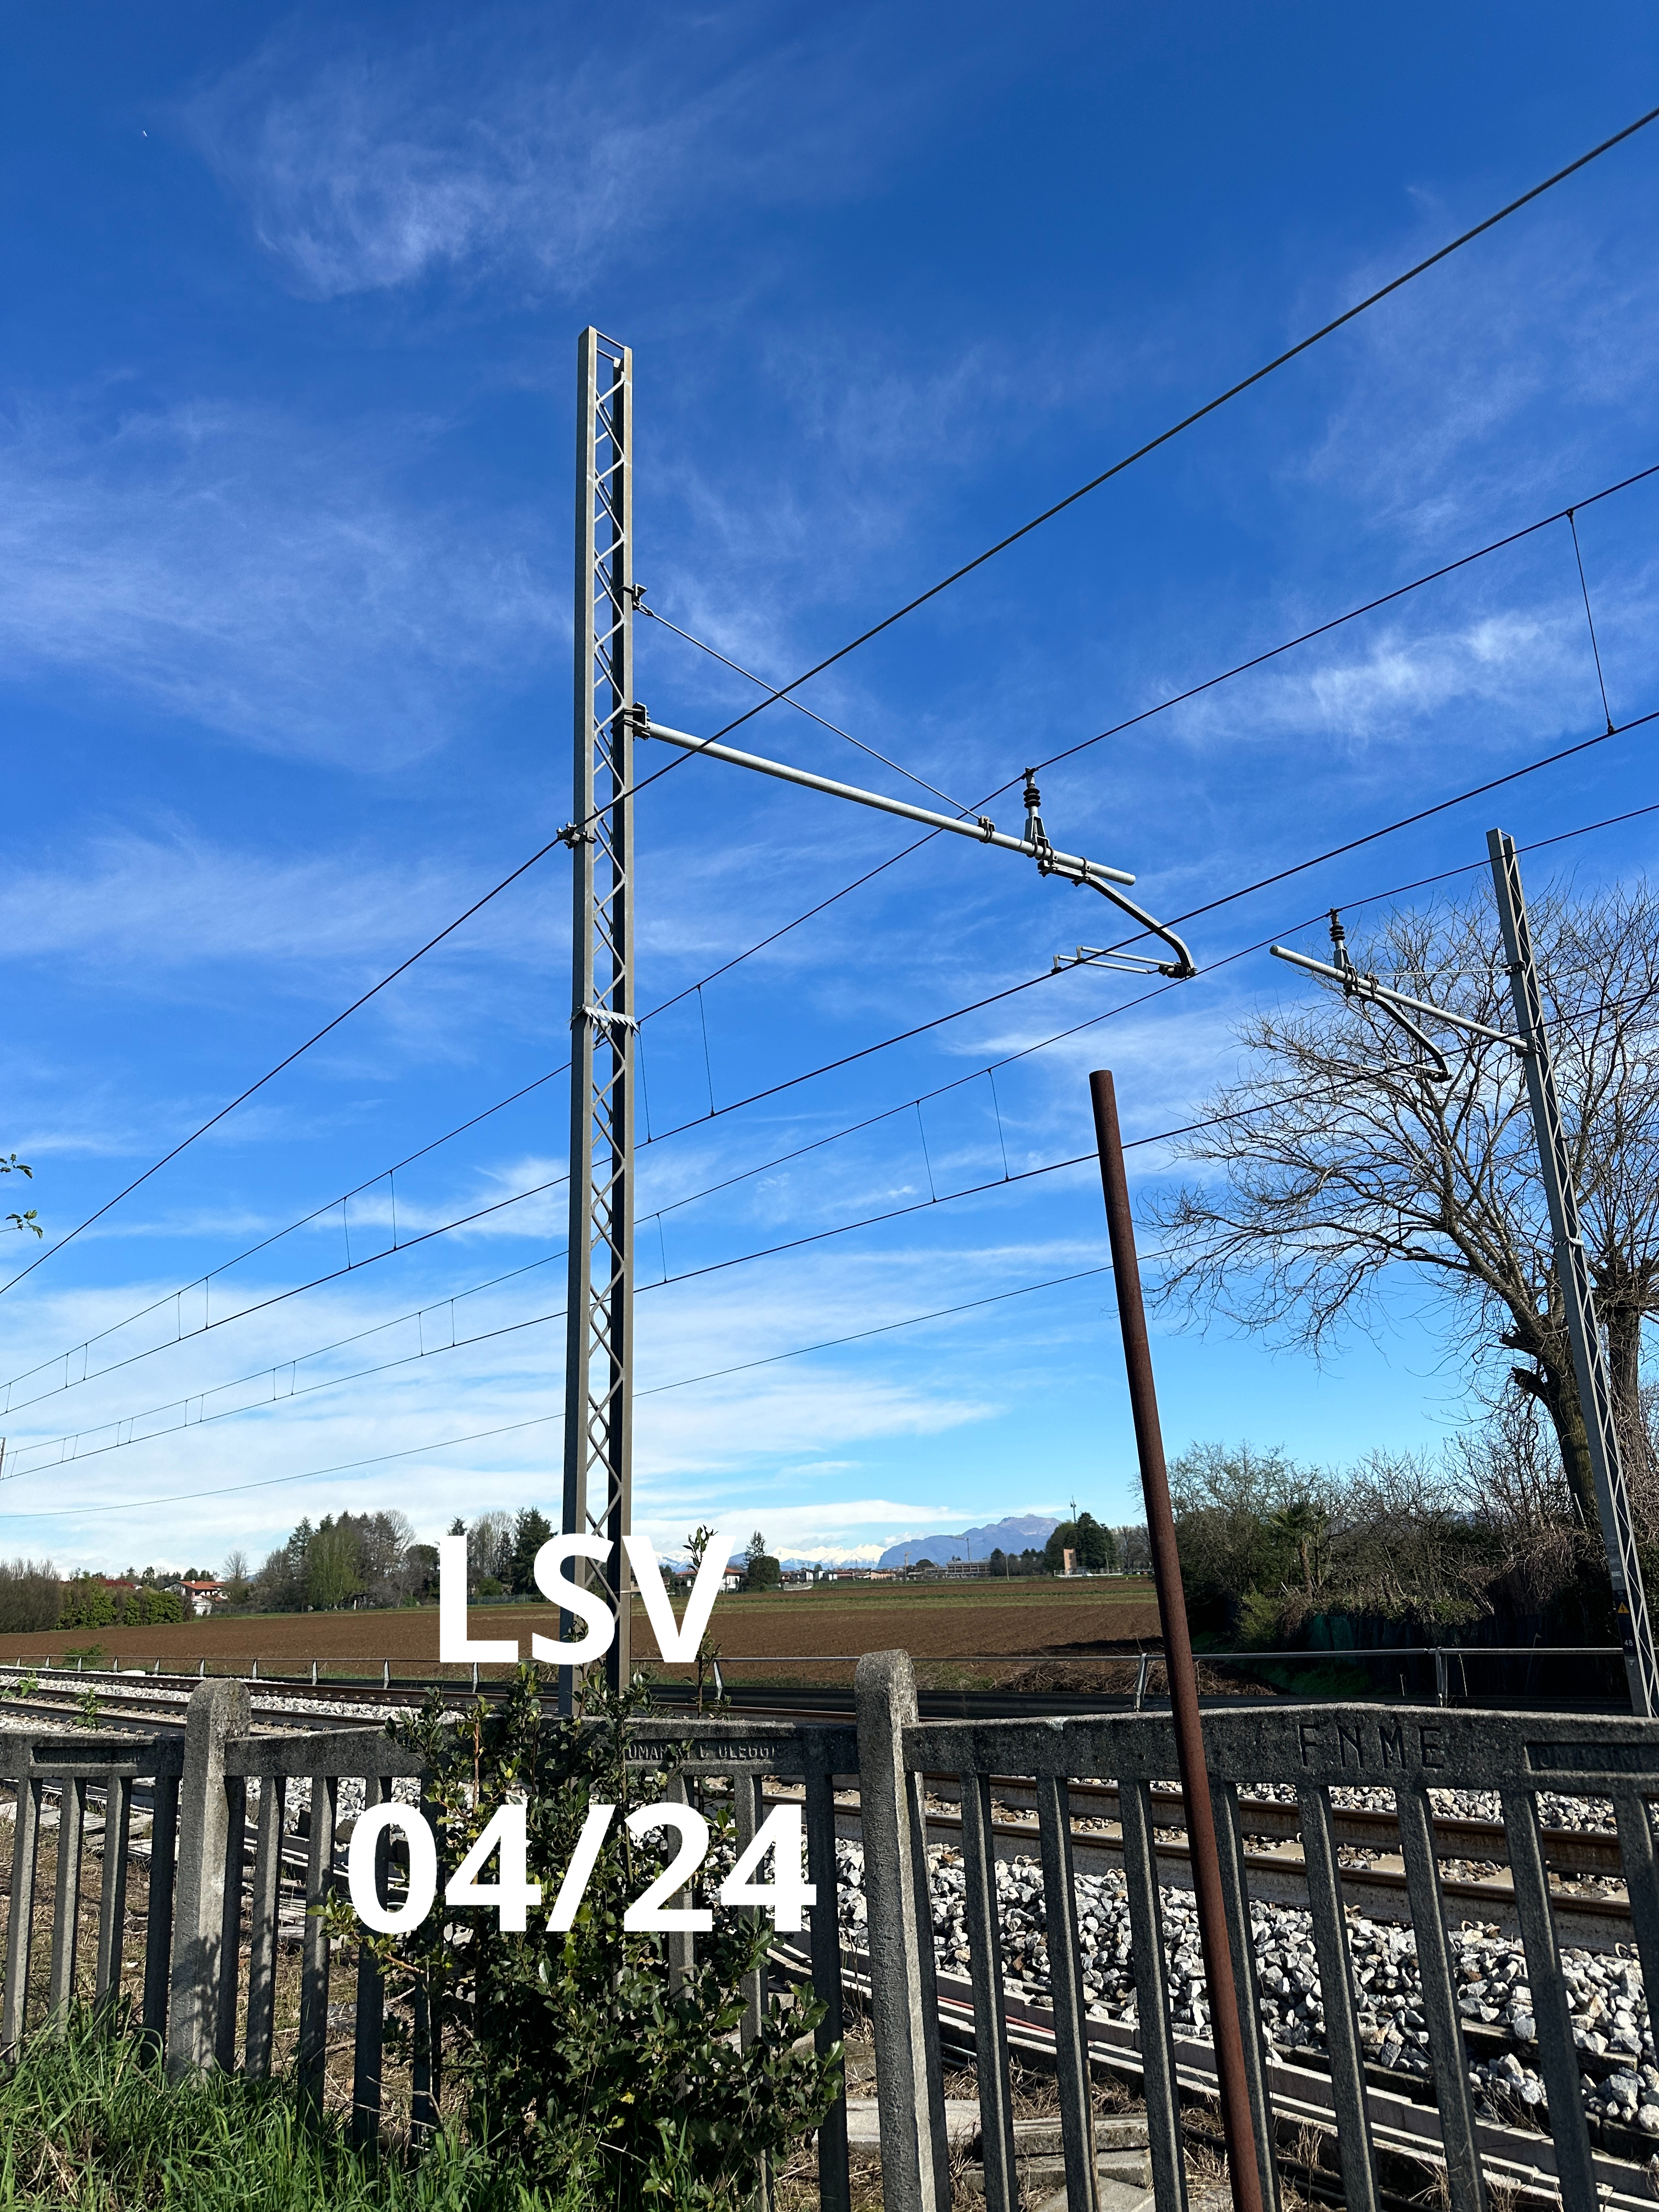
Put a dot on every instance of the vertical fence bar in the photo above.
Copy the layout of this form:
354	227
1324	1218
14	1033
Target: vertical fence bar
996	2102
216	1711
163	1867
312	2058
1236	1900
1152	1995
1434	1961
1558	2054
230	1940
1076	2121
113	1903
66	1924
20	1935
263	1927
682	1943
746	1791
915	2175
1336	1994
370	2033
425	2059
1641	1879
822	1871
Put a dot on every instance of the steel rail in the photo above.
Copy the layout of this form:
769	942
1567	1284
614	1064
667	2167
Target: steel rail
1278	1876
1402	2121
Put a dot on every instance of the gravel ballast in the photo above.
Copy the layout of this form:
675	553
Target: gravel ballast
1609	2008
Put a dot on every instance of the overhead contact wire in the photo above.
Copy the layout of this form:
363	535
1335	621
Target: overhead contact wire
1187	422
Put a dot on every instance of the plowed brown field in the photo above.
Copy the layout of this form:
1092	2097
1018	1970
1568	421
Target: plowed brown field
943	1624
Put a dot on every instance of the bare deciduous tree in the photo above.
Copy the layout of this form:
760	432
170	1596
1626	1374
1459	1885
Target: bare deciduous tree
1336	1160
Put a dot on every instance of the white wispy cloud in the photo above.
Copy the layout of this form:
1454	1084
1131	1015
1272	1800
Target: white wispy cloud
177	898
792	1444
1484	387
271	580
526	153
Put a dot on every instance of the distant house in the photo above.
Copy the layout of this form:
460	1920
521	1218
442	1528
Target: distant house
204	1597
960	1571
736	1573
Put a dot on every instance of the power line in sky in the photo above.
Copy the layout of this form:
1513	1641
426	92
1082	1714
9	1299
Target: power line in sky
794	1082
858	882
1187	422
536	1320
835	728
1163	706
271	1074
71	1443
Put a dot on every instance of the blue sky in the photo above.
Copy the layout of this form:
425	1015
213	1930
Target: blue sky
285	429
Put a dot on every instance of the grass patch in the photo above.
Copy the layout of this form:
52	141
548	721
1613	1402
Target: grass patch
90	2123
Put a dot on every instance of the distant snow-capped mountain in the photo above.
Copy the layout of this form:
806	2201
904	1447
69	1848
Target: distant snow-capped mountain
1013	1534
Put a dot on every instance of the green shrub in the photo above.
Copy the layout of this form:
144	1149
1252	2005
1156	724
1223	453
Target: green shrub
1260	1615
87	1603
152	1608
30	1596
576	2052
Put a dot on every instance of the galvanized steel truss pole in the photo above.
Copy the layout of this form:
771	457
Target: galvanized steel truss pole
1589	1365
599	1328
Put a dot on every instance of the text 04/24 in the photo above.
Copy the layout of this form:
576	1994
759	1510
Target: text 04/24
512	1894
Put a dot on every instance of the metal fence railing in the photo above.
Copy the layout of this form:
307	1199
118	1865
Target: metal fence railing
213	1910
222	1898
1312	1748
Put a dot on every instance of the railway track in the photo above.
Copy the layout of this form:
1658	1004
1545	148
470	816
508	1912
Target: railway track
1405	2120
1582	1861
1584	1865
797	1702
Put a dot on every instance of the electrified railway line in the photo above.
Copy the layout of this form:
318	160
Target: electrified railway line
1584	1862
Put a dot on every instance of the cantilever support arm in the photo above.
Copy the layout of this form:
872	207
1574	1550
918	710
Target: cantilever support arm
1356	986
1069	866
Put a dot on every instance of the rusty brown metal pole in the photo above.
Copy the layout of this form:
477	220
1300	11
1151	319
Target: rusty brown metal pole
1236	2118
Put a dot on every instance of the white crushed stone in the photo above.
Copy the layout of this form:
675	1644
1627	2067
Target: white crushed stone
1605	1992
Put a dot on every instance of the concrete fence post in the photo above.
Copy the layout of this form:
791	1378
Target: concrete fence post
215	1711
916	2173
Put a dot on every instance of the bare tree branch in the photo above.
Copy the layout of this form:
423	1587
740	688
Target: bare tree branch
1344	1160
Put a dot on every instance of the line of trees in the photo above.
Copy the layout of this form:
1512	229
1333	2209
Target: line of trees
30	1596
344	1559
500	1552
34	1597
1099	1550
1480	1542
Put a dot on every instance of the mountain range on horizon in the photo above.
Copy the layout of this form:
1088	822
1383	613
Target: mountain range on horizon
1014	1533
